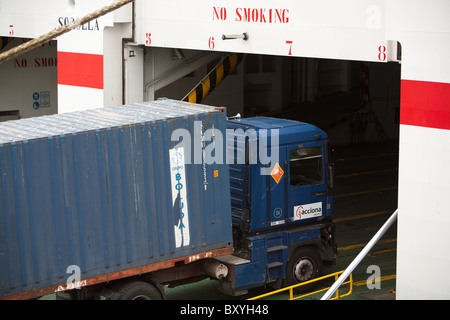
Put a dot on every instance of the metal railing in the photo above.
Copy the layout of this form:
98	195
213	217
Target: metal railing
291	288
360	256
347	273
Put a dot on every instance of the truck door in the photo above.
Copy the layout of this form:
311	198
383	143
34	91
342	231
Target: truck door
276	195
307	184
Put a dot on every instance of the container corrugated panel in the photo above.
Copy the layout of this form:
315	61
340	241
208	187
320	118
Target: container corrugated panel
105	190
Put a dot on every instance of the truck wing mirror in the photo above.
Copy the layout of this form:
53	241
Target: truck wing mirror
330	175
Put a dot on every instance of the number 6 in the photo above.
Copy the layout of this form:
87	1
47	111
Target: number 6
211	44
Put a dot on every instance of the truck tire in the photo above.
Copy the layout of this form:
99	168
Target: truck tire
138	290
305	264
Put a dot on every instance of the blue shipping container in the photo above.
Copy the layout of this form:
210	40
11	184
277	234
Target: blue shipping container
108	190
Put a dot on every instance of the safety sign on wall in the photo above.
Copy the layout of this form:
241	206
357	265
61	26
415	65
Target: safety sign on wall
41	99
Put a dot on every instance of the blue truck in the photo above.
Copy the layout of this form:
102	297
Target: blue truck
118	202
283	231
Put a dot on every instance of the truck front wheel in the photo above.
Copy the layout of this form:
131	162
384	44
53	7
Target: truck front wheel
304	265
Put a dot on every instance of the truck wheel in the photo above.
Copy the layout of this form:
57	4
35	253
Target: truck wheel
304	265
138	290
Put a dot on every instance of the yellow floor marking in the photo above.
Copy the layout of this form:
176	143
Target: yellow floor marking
374	253
383	278
355	174
362	216
365	157
360	245
365	192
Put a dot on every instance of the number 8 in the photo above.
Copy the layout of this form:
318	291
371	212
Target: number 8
382	53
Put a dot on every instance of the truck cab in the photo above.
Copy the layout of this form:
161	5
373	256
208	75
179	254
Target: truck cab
281	197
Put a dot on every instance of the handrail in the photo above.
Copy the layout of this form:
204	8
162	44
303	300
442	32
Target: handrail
291	288
360	256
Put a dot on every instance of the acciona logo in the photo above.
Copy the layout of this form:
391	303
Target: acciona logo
307	211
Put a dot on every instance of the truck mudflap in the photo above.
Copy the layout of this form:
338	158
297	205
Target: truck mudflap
141	270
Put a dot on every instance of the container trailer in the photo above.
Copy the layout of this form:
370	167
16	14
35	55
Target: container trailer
118	202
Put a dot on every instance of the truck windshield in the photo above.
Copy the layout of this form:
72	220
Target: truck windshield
305	166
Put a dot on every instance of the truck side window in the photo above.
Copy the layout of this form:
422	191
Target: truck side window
305	166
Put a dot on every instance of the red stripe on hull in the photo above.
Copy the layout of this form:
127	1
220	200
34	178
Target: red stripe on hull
425	104
80	69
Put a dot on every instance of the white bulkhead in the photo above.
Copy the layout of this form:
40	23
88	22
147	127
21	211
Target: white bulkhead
148	49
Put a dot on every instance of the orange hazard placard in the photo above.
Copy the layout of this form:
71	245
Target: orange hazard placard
277	173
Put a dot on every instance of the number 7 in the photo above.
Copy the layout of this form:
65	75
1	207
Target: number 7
289	42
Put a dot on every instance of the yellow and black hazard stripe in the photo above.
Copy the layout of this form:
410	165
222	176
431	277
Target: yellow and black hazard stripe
4	42
364	83
214	78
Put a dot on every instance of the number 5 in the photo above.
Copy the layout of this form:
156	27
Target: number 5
148	40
